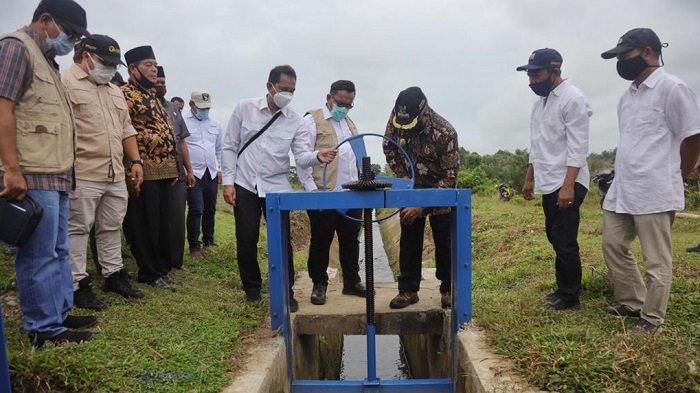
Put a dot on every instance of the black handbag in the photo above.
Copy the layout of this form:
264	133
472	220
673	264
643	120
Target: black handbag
18	220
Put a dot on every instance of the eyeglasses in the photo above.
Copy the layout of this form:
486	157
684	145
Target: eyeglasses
349	106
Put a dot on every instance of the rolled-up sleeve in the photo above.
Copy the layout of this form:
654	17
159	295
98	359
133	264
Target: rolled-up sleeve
230	146
306	174
576	116
682	113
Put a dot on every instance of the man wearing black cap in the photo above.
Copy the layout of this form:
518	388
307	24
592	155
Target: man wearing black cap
659	124
104	135
36	150
557	167
178	189
431	142
148	215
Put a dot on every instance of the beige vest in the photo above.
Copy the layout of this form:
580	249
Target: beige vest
326	138
45	128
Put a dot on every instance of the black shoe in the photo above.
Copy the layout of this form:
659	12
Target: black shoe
85	298
446	299
318	294
162	284
559	304
622	310
196	252
404	299
69	336
693	249
79	321
551	296
293	304
357	289
253	296
641	325
119	283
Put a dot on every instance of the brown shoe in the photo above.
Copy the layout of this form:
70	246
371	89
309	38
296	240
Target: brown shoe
196	253
446	299
404	299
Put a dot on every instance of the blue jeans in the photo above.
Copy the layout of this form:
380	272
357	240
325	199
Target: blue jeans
43	268
201	210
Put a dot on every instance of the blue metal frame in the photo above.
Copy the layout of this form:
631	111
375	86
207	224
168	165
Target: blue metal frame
460	202
5	384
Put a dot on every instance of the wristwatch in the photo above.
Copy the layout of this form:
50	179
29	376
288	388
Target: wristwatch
139	161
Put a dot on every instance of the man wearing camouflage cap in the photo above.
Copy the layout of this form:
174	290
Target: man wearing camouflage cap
431	143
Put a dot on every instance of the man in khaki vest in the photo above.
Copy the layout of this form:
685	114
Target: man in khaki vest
36	150
328	126
105	139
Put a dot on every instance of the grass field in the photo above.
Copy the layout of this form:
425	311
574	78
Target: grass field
191	340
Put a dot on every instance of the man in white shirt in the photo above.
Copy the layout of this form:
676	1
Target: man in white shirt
659	124
255	163
557	167
328	126
205	155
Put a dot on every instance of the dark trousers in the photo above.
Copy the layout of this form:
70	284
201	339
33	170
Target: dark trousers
178	197
562	231
147	225
324	225
411	252
201	210
247	213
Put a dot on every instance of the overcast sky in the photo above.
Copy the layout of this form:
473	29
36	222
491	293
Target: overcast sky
462	54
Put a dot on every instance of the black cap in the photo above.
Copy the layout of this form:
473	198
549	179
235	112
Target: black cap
105	47
409	104
633	39
139	53
542	58
161	72
68	13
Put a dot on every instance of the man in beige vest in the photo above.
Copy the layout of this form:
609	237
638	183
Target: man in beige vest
36	150
104	136
328	126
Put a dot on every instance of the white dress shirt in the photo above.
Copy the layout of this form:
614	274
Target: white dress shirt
347	164
654	118
559	137
264	165
204	144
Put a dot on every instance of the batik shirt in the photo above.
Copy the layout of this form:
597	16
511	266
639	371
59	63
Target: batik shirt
433	150
155	133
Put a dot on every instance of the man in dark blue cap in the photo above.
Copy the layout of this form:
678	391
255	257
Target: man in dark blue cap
36	150
557	167
659	123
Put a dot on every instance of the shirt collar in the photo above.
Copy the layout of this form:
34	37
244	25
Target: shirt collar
559	89
77	72
262	105
651	80
326	113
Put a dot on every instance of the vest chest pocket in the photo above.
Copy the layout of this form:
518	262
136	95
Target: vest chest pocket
45	89
325	139
37	142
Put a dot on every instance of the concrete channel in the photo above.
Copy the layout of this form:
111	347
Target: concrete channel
326	337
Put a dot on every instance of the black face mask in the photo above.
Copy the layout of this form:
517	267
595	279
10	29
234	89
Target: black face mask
144	82
631	68
543	88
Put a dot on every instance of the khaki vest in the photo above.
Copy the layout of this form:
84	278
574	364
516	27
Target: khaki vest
45	128
326	138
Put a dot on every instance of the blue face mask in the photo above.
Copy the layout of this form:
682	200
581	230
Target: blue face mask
62	44
339	113
202	114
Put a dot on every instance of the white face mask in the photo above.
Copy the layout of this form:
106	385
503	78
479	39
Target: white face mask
101	74
282	98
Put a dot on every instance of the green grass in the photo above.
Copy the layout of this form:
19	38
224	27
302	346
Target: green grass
184	341
587	350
